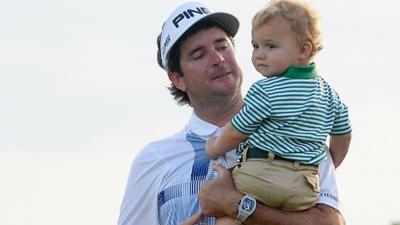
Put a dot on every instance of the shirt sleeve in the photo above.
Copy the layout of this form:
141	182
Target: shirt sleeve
341	124
256	108
327	181
139	205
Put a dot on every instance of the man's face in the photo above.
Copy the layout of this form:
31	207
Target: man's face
209	66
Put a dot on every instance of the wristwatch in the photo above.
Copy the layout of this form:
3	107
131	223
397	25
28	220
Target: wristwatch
246	207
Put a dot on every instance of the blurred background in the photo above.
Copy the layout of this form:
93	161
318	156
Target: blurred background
81	94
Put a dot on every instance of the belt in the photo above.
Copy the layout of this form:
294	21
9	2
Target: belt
254	152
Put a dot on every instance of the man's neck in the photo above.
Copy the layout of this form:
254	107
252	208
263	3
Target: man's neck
219	112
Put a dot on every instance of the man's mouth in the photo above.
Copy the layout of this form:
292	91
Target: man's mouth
220	74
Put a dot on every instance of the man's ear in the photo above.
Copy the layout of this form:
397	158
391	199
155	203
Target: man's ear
177	80
305	50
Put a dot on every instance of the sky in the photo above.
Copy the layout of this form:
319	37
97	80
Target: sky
81	94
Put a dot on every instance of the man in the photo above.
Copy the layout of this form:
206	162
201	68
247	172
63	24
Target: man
196	49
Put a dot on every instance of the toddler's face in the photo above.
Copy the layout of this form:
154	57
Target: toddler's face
275	47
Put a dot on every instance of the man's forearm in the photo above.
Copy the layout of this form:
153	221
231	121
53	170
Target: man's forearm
320	214
220	198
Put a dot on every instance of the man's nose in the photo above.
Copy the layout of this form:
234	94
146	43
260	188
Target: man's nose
217	58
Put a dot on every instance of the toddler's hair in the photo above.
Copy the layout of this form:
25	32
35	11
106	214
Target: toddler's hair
302	17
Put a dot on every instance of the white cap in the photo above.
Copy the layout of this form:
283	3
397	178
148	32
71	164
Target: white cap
184	17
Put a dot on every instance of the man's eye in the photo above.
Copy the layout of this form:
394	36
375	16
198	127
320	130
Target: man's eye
197	56
223	46
255	46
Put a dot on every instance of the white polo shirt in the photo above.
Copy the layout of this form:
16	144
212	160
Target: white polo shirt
166	175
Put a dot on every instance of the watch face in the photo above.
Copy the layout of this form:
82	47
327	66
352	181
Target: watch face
248	204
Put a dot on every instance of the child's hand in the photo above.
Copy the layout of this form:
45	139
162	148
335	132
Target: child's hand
210	151
194	219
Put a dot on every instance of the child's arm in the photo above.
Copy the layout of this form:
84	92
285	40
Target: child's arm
229	139
338	146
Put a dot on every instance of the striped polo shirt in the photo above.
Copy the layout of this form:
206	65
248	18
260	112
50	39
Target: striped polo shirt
292	114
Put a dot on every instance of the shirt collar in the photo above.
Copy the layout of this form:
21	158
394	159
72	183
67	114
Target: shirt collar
301	72
201	127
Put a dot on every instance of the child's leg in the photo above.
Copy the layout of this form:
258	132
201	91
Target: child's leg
225	221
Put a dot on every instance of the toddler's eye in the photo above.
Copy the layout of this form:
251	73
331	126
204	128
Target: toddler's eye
270	46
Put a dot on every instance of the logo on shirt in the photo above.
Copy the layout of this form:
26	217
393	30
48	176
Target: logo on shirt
330	196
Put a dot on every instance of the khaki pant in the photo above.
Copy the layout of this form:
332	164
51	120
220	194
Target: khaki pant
278	183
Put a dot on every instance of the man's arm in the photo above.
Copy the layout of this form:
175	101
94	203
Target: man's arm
139	205
320	214
220	198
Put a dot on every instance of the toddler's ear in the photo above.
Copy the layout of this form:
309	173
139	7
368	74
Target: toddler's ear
305	50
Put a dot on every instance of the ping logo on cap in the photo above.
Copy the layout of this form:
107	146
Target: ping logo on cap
189	13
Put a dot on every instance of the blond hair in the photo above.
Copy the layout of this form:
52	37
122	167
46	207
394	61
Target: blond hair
302	17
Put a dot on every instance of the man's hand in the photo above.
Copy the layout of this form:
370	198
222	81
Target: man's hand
219	197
